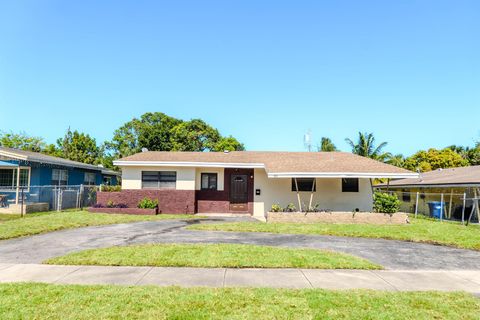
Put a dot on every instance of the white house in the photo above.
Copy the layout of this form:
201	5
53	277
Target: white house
251	182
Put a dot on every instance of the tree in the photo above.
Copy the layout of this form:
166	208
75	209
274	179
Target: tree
22	141
194	135
79	147
326	145
159	132
472	155
151	131
434	159
365	146
228	144
397	160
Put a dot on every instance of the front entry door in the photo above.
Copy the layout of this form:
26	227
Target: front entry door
239	192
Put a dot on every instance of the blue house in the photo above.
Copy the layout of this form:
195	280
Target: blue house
27	170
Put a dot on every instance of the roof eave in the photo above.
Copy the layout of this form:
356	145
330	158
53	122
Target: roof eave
367	175
123	163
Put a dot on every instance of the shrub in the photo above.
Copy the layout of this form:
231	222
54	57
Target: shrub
290	208
276	208
147	203
111	188
111	204
385	202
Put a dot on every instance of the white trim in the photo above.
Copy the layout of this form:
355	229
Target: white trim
340	175
13	182
186	164
12	155
54	162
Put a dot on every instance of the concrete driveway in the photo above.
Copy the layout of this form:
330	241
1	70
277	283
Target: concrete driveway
391	254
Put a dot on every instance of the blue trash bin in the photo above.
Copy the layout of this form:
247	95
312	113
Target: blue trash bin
436	207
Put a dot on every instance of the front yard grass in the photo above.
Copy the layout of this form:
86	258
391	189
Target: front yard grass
419	230
52	221
47	301
214	256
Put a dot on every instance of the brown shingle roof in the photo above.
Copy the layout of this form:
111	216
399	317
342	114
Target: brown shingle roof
453	176
276	162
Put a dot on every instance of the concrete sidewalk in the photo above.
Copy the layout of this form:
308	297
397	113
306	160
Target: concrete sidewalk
392	280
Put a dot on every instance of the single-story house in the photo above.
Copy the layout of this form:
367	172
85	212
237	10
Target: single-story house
21	169
251	182
457	187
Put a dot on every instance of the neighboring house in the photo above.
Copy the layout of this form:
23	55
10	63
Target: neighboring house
251	182
454	184
27	169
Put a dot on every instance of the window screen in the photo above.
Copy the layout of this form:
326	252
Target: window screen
159	179
209	181
304	184
89	178
350	185
59	177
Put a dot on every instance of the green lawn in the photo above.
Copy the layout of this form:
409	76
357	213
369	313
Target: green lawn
419	230
214	256
44	301
46	222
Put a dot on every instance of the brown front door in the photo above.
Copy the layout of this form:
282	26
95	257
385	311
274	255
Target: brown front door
239	192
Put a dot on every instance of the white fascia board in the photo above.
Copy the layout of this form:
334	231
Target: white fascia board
13	155
342	175
186	164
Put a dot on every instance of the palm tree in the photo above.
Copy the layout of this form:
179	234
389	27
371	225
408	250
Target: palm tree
397	160
365	147
326	145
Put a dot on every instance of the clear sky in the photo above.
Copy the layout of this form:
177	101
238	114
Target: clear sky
262	71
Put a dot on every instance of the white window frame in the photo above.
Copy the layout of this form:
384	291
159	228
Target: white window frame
159	187
58	184
91	174
14	180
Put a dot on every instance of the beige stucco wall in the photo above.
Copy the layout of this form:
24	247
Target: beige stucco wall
328	194
218	171
132	177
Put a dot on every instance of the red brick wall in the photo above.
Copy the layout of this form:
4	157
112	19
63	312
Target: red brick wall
169	201
208	201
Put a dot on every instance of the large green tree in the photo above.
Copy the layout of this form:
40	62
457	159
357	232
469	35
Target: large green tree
326	145
472	155
22	141
78	146
434	159
152	131
366	146
159	132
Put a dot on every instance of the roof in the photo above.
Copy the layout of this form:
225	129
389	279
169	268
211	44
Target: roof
43	158
276	164
7	164
461	176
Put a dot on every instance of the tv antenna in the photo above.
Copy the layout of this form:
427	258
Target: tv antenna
307	140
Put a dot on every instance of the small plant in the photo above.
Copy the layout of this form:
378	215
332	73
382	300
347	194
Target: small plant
147	203
111	204
385	202
111	188
290	208
276	208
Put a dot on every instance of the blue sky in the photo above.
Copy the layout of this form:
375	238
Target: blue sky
262	71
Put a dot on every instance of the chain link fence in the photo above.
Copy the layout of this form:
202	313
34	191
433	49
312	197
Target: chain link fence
56	197
442	206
